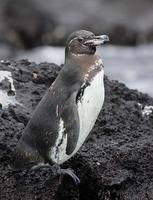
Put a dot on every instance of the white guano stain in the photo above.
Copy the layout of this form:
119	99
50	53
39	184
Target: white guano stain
5	100
146	110
7	75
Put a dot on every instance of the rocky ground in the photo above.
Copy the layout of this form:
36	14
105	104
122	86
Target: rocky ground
115	163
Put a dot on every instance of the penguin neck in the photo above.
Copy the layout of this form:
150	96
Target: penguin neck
78	57
83	62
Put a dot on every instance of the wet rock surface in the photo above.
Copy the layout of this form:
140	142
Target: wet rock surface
114	163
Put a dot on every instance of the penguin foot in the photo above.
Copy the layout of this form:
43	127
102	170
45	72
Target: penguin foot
58	171
71	174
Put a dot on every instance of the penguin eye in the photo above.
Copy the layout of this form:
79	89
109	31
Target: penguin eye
80	39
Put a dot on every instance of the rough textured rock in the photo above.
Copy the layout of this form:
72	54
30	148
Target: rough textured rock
114	163
29	23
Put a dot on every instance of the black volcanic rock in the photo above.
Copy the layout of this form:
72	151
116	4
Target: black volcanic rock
114	163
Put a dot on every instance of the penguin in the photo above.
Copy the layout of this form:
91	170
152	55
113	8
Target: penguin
67	112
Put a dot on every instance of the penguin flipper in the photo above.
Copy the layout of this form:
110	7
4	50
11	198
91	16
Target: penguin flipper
71	123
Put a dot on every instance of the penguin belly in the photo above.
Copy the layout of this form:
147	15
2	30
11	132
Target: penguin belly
89	108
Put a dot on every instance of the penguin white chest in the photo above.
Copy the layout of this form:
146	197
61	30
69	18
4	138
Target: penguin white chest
90	106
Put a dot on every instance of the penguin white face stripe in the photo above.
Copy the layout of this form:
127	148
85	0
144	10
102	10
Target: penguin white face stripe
72	40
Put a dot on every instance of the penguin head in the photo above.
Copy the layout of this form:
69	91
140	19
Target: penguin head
84	42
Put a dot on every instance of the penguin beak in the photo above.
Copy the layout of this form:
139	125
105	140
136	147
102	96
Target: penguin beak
97	40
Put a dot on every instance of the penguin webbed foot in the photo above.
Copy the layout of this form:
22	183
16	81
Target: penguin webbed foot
57	170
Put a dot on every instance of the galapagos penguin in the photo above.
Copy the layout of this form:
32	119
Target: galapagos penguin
66	114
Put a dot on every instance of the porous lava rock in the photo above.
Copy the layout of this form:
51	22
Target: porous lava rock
115	162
